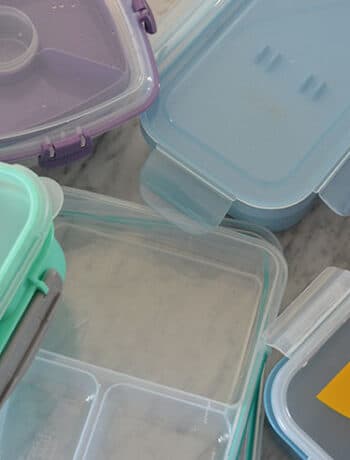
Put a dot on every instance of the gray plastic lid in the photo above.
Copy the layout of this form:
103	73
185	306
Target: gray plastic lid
305	328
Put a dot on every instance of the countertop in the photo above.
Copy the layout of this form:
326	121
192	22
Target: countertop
320	240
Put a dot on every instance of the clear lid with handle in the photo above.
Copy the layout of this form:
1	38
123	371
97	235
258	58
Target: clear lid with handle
70	70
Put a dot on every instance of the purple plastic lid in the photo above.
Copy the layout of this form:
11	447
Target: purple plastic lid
71	70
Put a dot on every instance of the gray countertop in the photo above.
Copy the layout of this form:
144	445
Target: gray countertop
320	240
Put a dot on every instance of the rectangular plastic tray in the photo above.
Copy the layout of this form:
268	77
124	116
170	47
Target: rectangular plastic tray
84	412
177	319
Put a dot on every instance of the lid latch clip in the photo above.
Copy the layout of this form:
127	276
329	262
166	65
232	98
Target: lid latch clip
66	151
146	16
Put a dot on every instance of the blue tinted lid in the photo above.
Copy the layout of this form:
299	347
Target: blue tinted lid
258	106
179	23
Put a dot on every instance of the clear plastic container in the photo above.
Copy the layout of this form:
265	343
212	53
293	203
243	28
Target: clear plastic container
162	332
69	71
84	412
184	314
307	394
252	120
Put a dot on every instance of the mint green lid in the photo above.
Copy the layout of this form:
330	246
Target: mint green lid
28	206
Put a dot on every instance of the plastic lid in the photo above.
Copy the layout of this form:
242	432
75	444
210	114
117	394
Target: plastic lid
180	312
305	401
178	24
254	111
71	68
27	212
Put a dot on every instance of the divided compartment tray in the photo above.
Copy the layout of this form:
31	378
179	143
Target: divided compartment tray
46	415
100	413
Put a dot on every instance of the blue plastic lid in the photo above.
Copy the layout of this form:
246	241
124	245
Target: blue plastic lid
256	108
179	23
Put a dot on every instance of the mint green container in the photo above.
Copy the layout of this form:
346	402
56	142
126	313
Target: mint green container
32	266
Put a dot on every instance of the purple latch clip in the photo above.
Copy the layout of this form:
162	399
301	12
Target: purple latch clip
66	151
146	16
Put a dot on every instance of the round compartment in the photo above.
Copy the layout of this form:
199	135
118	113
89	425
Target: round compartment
19	40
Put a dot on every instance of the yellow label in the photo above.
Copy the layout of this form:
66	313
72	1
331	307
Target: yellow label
336	395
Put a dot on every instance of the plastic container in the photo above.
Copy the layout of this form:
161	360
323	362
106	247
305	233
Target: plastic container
307	394
69	71
32	267
252	120
102	414
177	21
178	321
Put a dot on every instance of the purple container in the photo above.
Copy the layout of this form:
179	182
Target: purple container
69	71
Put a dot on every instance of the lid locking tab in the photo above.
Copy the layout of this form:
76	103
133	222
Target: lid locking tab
66	151
146	16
